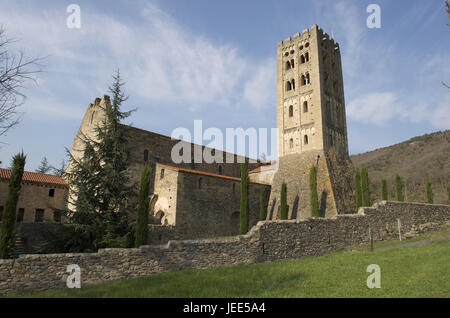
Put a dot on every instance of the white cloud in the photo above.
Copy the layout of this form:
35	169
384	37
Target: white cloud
161	61
380	108
375	108
440	117
259	90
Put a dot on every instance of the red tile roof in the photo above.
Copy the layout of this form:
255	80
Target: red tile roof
203	173
263	168
35	177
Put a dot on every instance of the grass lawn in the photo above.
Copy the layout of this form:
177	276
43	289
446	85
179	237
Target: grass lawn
416	271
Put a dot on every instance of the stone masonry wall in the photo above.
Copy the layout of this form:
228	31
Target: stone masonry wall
267	241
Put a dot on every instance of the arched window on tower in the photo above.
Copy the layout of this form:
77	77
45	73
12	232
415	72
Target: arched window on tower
307	79
305	106
291	143
292	63
302	59
293	84
303	80
291	111
288	86
307	57
288	65
305	139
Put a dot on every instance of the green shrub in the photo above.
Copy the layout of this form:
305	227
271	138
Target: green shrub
313	197
7	228
399	188
142	208
358	194
429	191
262	206
283	202
365	194
244	198
384	189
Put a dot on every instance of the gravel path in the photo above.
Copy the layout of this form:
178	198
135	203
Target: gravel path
435	239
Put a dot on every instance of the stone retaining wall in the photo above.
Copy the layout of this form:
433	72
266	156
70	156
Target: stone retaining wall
267	241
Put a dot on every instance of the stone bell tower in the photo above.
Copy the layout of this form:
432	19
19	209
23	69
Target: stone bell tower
312	127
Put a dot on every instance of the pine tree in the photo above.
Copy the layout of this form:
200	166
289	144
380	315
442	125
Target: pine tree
244	198
384	189
262	206
61	170
142	210
358	192
44	166
429	191
283	202
100	181
313	196
399	188
7	227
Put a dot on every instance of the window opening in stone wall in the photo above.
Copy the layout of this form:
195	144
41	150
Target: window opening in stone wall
20	215
39	216
305	139
305	106
56	216
291	111
288	86
291	143
51	193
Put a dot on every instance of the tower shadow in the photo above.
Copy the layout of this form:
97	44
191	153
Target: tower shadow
274	201
323	204
295	208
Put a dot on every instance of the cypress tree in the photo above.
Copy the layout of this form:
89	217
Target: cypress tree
399	188
448	194
142	209
358	193
244	197
101	187
283	202
384	190
365	194
262	206
313	197
429	191
7	227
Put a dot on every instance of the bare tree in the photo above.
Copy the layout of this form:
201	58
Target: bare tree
15	70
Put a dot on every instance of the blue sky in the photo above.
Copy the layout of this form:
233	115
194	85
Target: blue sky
216	61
